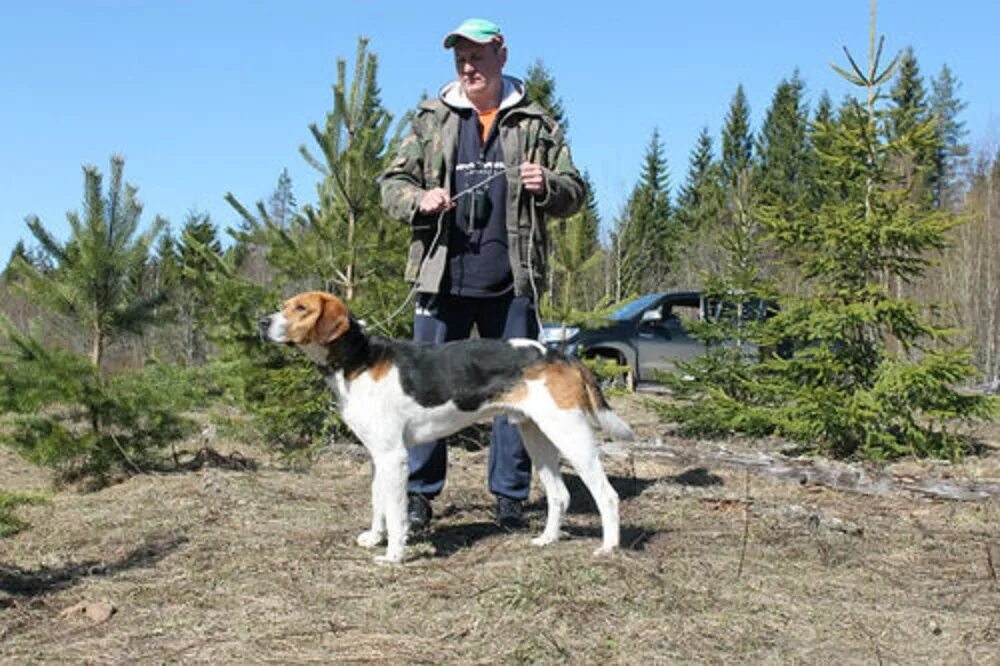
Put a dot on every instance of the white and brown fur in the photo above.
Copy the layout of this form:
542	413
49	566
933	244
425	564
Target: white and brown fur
395	394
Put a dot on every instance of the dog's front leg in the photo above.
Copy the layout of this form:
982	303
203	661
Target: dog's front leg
391	474
373	537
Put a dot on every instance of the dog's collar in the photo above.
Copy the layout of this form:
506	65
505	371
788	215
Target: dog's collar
348	353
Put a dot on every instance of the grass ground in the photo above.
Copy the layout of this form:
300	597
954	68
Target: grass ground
719	566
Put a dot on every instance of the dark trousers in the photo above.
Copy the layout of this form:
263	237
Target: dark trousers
445	317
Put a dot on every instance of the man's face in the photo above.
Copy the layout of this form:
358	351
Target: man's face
480	67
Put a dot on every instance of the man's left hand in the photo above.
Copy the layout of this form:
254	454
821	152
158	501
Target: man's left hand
533	178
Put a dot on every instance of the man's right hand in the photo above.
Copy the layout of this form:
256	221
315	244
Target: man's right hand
435	201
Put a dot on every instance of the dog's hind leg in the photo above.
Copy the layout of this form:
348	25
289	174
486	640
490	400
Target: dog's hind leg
545	456
572	435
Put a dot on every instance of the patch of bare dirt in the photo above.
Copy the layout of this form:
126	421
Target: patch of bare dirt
16	475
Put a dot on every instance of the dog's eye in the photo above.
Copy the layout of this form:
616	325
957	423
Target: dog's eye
300	308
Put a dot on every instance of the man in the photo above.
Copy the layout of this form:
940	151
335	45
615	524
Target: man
475	178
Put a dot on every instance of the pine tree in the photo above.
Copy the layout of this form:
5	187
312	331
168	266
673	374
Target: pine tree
821	179
737	139
345	243
282	205
164	270
71	407
166	256
99	272
824	109
540	86
576	255
282	392
733	269
193	285
910	110
18	254
716	392
783	155
253	240
698	213
694	201
645	235
842	388
945	109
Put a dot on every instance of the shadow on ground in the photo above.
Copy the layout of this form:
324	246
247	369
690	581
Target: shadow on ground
451	539
20	582
629	487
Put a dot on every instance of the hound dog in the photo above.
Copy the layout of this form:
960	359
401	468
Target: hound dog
395	394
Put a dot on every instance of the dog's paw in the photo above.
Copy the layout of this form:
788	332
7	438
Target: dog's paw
605	551
544	540
389	558
369	539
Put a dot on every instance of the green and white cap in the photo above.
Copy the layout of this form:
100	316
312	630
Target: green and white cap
476	30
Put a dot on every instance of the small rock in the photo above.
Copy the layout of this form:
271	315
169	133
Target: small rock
95	611
817	520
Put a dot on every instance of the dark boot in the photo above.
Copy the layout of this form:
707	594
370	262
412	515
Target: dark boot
510	514
418	512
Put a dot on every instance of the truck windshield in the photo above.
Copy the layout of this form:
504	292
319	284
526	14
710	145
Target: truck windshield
633	308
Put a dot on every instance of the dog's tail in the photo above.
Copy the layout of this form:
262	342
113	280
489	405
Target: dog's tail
599	411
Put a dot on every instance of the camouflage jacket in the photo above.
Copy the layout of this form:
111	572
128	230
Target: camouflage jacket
425	160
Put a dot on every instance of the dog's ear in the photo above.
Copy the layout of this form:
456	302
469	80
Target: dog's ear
332	322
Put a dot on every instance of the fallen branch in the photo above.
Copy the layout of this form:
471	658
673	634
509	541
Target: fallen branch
209	457
851	477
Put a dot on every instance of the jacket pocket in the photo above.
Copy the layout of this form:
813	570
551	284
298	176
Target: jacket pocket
420	240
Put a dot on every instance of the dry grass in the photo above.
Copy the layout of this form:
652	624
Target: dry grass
719	566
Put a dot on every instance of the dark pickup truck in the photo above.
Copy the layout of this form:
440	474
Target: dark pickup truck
646	334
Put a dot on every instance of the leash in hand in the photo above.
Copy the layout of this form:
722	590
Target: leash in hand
440	226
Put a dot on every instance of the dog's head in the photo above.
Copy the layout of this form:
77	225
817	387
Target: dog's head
309	318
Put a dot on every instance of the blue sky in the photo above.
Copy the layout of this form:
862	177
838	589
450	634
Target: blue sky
202	98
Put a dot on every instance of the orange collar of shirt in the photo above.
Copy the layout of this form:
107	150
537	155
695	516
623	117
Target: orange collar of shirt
486	119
